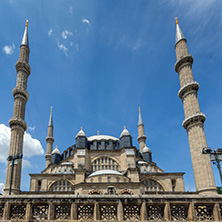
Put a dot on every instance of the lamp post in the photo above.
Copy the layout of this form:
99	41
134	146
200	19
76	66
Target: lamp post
13	158
215	158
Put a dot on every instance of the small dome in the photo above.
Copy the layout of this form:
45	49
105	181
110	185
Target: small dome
105	172
125	132
80	133
102	137
56	151
146	150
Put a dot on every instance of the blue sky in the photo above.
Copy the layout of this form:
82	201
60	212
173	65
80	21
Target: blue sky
96	62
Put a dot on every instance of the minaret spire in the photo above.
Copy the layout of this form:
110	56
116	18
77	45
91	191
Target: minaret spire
49	140
17	122
25	39
141	135
194	119
179	34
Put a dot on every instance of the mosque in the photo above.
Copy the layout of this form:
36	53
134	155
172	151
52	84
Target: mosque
102	177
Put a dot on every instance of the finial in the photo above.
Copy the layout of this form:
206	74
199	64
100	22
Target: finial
124	127
98	133
139	109
25	39
56	147
26	25
51	108
176	20
81	128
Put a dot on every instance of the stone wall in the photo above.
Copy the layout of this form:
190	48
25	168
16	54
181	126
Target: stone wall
69	207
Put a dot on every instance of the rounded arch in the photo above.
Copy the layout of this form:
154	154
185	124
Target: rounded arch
104	163
152	185
61	186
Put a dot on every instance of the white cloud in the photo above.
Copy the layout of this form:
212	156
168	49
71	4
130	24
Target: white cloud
9	49
86	21
31	146
50	32
70	9
26	163
31	128
65	34
2	185
63	48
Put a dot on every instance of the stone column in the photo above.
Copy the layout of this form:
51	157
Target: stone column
120	215
6	213
143	211
28	213
51	214
191	212
96	212
167	213
74	211
216	212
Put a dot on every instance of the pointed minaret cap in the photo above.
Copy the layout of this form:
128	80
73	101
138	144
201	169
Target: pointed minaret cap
80	133
25	39
140	121
125	132
50	118
179	34
56	151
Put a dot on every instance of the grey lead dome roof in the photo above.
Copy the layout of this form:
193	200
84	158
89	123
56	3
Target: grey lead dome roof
105	172
102	137
125	132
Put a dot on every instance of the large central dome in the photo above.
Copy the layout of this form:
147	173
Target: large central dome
102	137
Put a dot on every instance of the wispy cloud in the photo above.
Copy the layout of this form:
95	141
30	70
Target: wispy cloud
31	146
85	21
31	128
26	164
63	48
70	9
50	32
65	34
8	49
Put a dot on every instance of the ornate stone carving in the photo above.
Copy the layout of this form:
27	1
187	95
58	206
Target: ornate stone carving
108	212
17	211
131	212
85	212
155	212
179	212
62	211
40	212
204	212
1	210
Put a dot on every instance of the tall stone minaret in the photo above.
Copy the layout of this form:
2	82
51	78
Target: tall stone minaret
17	122
141	135
194	119
49	140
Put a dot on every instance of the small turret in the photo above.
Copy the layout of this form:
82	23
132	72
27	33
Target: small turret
55	156
125	138
81	139
147	154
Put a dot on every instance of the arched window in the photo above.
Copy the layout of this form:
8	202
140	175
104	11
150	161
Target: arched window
104	163
61	185
152	185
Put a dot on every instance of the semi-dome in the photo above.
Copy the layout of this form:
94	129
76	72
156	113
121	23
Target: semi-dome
102	137
125	132
105	172
80	133
146	150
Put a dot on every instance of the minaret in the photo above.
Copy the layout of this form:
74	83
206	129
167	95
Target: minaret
194	119
49	140
141	135
17	122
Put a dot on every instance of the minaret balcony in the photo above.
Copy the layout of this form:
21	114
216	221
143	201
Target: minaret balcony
22	66
195	119
21	93
15	121
185	60
191	87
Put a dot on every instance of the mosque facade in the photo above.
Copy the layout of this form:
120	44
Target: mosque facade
102	177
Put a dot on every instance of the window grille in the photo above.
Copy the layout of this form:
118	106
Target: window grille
152	185
104	163
62	185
